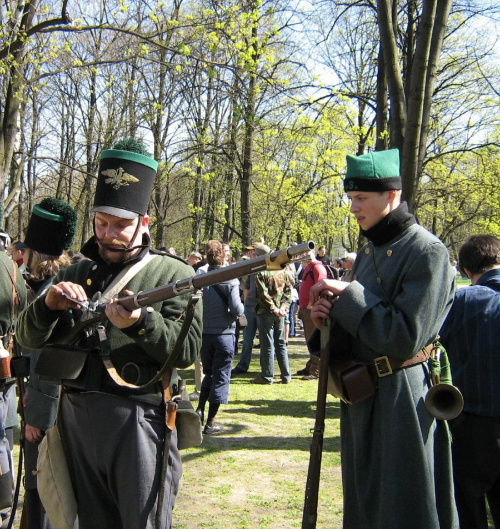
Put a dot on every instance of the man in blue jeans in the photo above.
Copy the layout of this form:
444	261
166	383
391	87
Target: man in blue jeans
274	297
250	301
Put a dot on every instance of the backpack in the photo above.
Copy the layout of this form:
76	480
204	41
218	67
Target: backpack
331	273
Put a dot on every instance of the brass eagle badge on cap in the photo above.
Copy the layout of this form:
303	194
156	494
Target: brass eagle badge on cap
118	177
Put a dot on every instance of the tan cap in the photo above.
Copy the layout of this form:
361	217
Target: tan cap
261	249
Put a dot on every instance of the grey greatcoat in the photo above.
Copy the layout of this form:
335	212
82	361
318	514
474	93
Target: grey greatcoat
396	462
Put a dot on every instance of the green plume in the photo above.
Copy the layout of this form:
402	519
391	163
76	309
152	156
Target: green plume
58	207
132	145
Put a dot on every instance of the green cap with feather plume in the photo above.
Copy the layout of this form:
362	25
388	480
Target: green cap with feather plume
52	227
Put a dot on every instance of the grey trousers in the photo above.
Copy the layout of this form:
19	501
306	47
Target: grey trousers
6	474
114	447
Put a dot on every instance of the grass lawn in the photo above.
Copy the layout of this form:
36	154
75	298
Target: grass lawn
253	474
462	281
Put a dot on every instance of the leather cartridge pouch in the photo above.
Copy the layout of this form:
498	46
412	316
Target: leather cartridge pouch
5	371
5	358
349	380
20	366
72	366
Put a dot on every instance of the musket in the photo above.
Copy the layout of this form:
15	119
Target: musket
94	313
21	389
310	512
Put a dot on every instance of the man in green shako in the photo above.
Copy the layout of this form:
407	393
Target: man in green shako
396	461
114	436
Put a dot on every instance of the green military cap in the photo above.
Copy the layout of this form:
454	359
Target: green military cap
52	227
375	171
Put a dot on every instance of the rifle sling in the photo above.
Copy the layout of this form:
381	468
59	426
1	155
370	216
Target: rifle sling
221	294
16	300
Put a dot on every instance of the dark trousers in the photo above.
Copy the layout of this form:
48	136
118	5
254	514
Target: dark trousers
217	353
476	469
6	473
114	448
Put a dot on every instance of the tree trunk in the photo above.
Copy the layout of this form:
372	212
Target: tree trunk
89	176
247	166
441	20
382	104
393	71
420	63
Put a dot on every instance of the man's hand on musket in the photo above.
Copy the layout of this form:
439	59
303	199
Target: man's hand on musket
319	298
119	316
65	295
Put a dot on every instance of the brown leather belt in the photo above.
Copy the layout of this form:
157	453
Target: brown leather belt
386	365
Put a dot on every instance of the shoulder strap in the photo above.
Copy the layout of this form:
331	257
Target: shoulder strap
16	302
116	285
311	271
221	294
13	278
124	277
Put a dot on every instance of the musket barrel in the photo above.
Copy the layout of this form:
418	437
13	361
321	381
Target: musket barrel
273	261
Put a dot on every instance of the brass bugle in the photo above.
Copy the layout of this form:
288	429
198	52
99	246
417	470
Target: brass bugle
444	401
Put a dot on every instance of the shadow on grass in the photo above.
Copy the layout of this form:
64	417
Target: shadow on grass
289	408
234	438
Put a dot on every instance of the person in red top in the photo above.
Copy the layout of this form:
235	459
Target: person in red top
313	272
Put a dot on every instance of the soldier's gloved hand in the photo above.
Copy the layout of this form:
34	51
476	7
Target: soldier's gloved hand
119	316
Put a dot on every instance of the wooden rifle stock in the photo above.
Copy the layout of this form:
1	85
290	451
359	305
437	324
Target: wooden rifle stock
310	512
272	261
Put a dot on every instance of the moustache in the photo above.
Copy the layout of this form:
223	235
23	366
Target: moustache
110	243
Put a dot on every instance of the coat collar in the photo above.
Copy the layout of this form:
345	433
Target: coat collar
394	223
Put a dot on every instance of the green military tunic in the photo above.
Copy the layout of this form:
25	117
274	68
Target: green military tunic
114	442
146	343
6	385
396	462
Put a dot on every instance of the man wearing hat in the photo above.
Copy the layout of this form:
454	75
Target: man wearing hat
396	461
115	437
51	230
274	294
249	303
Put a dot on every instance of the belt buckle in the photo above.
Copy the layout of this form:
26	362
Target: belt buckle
382	366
